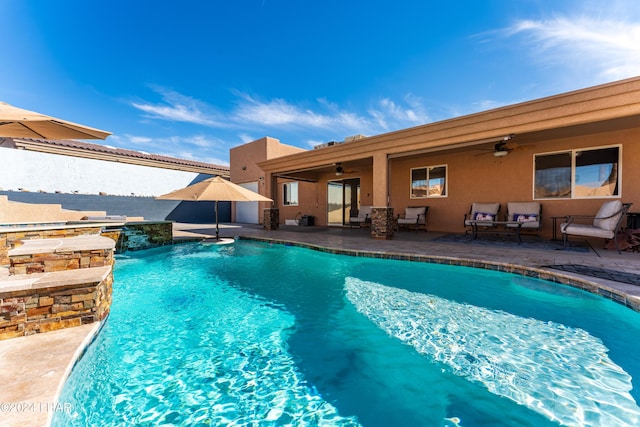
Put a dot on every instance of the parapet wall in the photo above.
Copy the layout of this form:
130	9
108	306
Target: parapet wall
16	212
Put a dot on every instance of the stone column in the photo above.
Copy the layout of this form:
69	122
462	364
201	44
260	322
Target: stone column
382	223
271	219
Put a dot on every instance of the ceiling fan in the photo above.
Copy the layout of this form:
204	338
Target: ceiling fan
501	148
340	170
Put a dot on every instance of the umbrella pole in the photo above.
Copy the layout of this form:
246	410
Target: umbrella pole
217	229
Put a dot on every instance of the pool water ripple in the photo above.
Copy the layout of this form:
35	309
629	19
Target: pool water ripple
254	334
564	373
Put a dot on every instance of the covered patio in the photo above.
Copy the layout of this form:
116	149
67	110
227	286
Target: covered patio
569	152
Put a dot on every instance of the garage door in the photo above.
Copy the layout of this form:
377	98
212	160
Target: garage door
247	212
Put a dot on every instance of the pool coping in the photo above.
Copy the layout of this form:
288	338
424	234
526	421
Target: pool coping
40	365
616	295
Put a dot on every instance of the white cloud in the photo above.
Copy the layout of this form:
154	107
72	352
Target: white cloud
179	108
609	46
252	115
277	112
390	115
202	141
244	137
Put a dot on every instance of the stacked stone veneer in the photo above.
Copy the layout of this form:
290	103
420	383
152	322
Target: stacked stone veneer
32	311
128	236
55	284
142	235
59	260
382	223
271	219
15	237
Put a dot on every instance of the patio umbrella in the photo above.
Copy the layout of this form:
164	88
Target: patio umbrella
18	123
215	189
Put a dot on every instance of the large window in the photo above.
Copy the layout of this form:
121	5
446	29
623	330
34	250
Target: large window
429	182
290	192
593	172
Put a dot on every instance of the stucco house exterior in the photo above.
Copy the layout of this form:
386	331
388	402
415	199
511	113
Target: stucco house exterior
570	152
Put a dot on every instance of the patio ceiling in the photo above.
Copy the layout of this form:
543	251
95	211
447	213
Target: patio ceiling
314	173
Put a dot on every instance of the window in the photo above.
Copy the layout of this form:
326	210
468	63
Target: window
578	174
290	192
429	182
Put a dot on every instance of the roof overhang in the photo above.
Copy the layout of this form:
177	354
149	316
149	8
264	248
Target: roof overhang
107	154
596	109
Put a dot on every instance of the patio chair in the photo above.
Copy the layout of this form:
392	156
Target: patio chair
363	219
481	212
414	217
527	213
605	224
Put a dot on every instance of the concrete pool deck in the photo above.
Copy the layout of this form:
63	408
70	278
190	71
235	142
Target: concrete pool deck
33	368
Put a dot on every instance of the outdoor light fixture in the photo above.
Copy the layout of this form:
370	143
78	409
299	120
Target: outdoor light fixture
339	170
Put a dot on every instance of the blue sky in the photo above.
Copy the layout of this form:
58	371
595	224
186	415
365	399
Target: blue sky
192	79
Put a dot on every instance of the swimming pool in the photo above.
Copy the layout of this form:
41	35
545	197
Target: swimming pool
254	334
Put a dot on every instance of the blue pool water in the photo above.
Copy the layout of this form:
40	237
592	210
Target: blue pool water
253	334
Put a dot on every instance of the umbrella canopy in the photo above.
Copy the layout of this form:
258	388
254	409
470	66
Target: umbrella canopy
215	189
18	123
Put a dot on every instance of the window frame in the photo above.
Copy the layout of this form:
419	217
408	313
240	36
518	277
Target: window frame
573	152
285	202
427	169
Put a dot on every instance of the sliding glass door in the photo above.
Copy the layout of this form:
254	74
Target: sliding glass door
343	200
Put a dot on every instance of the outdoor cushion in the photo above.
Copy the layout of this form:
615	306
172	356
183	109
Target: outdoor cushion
483	208
364	214
411	215
586	230
526	212
607	209
518	217
484	216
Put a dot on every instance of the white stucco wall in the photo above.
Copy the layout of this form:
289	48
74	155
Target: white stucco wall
35	171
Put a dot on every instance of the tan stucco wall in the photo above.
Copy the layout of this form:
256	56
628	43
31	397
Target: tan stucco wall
244	168
485	178
476	175
244	158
